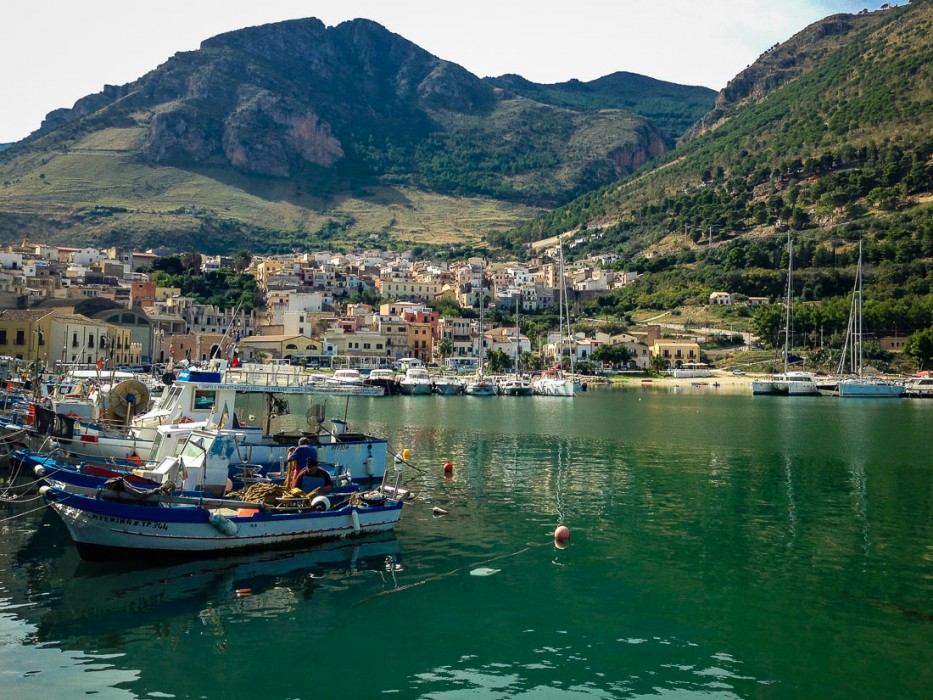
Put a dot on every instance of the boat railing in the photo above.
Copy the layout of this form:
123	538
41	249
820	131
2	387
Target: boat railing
286	377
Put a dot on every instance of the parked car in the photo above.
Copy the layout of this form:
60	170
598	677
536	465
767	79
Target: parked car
738	372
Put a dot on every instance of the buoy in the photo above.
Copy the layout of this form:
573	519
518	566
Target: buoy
448	467
223	525
321	503
355	521
406	454
562	533
438	511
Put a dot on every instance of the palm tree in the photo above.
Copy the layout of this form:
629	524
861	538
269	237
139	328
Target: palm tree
444	347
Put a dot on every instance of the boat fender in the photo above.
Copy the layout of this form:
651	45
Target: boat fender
369	466
39	470
223	525
355	520
44	490
321	503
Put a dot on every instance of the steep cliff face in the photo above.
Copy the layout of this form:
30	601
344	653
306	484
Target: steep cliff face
357	103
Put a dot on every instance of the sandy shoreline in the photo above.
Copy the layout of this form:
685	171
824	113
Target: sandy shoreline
725	380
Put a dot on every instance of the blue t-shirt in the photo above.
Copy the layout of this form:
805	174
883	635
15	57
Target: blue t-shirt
302	455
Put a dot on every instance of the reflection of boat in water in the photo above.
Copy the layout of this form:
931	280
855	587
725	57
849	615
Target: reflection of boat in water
78	599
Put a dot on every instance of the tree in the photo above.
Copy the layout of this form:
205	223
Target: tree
444	347
242	260
919	347
658	363
497	360
767	324
191	261
614	355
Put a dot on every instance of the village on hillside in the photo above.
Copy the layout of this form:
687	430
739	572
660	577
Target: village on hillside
89	306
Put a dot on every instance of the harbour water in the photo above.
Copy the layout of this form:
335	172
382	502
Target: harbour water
722	546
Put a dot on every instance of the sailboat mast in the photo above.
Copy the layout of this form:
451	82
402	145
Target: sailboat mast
859	317
790	292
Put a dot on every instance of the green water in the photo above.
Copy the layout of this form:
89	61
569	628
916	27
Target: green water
723	546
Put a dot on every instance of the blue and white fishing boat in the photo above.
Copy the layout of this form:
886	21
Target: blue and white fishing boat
121	522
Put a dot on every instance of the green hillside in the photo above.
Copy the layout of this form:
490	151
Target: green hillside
828	138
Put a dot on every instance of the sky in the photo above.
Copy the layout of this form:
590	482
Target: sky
53	52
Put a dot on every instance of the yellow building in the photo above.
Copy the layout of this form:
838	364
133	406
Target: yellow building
24	333
676	353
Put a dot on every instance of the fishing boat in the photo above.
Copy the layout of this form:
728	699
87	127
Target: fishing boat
859	386
266	412
122	520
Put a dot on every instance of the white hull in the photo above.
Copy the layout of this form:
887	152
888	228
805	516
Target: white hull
552	387
96	526
414	389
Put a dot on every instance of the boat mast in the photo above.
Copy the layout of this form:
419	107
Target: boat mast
790	292
564	307
858	327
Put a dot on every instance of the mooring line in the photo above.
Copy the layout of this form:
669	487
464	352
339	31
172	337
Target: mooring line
436	577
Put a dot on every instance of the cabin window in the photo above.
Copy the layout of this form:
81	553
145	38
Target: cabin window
204	399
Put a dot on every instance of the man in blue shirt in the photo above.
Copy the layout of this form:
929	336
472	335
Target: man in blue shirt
303	462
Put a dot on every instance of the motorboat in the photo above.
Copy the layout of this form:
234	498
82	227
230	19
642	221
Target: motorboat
446	386
479	385
517	385
416	382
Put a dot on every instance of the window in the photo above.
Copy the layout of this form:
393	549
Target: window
2	337
204	399
20	337
74	340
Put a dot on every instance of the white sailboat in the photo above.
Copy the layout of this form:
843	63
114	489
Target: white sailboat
516	384
552	382
788	383
858	386
480	384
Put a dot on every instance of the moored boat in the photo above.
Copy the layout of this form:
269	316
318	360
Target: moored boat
119	523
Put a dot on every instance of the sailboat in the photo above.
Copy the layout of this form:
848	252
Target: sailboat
479	384
788	383
517	384
552	382
858	386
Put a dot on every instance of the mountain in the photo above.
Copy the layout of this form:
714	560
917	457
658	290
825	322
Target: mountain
828	138
292	134
674	108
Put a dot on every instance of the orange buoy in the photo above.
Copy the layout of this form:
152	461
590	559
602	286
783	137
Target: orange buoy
448	467
562	533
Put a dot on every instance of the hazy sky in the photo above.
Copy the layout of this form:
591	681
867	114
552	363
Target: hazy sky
53	52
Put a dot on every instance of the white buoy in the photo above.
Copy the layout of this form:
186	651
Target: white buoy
438	511
355	520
